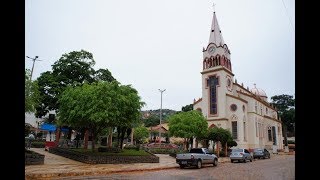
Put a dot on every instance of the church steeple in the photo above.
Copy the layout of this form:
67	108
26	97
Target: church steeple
217	53
215	34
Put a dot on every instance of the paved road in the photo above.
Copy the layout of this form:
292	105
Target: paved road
279	167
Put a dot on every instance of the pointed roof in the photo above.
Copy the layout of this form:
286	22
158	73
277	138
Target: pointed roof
215	34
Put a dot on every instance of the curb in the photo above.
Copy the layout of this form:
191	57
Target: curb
43	176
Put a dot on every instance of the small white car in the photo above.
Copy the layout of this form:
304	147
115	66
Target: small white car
240	155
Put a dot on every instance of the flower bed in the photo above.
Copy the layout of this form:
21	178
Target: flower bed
33	158
102	158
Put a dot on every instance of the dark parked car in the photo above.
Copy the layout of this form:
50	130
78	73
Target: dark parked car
261	153
240	155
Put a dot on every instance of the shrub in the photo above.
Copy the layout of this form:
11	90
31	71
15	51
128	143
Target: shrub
291	142
36	144
107	149
130	146
174	154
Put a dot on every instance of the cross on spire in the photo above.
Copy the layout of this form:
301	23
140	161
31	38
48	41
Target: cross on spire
213	7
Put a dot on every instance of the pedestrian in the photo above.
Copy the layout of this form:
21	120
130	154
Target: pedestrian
30	139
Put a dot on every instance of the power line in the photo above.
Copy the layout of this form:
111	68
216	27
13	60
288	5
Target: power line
288	15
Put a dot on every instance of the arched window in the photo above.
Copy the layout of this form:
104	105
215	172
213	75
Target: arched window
244	129
213	82
218	60
269	134
234	127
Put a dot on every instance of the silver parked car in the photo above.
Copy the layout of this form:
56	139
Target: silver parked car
240	155
261	153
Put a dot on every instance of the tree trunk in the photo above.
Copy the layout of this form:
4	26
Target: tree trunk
218	149
69	133
57	136
93	140
118	137
196	143
286	148
110	138
132	136
86	137
285	135
123	131
226	150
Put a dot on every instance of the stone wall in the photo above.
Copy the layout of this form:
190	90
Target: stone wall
100	159
33	158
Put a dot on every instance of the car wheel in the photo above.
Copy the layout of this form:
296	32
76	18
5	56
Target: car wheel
199	164
231	161
244	160
182	166
215	162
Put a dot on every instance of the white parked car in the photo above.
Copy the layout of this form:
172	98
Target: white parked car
240	155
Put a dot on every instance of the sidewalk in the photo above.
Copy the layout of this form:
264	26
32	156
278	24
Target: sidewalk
56	166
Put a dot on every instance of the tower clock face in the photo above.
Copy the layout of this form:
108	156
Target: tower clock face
211	49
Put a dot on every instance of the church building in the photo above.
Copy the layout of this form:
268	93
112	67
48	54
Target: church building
245	112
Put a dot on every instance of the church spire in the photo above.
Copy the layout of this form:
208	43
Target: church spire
215	34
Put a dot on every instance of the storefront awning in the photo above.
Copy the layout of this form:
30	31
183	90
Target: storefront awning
48	127
51	127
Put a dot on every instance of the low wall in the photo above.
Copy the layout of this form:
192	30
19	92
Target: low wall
101	159
33	158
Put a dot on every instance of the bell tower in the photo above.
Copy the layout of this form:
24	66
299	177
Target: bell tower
217	76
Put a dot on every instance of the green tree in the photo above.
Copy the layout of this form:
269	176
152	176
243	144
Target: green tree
103	75
187	108
99	105
285	105
72	69
140	133
187	125
32	94
220	135
152	120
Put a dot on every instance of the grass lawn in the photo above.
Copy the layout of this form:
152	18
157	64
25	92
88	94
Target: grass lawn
125	152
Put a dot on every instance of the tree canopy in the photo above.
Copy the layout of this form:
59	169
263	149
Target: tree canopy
99	105
285	105
187	108
72	69
219	134
31	92
152	120
188	125
140	133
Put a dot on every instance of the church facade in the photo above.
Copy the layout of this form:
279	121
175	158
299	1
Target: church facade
245	112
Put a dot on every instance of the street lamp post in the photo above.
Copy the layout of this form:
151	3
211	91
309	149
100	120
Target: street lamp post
34	60
161	91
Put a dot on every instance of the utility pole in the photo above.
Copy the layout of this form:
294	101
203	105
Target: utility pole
34	60
161	91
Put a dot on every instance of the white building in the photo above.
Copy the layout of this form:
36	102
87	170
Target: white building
252	121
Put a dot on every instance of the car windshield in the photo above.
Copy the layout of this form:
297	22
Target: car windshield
237	150
258	150
196	151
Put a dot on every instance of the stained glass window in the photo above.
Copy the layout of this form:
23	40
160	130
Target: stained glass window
212	83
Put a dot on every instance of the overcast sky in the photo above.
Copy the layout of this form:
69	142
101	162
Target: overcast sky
158	44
